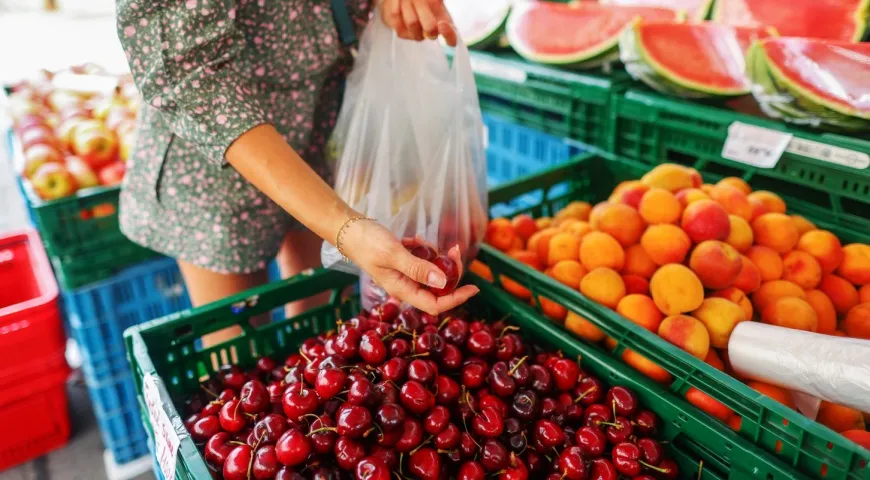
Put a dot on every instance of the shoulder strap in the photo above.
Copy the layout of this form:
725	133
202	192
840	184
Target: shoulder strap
343	22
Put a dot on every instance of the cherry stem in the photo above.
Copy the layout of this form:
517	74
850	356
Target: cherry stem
235	442
446	452
421	445
374	427
414	341
308	360
509	328
583	395
611	424
420	355
320	430
206	389
652	467
515	367
700	469
444	322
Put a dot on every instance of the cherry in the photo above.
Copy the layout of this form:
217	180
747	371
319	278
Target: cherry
548	434
269	429
650	451
451	357
265	465
232	418
456	332
447	390
386	455
425	463
387	391
386	312
423	251
467	446
411	320
285	473
348	453
372	349
626	458
512	426
436	420
646	423
493	455
451	271
489	400
372	468
572	464
194	404
550	407
254	397
602	469
517	442
644	476
535	462
412	435
347	343
400	347
519	371
237	462
447	438
488	423
362	392
326	473
299	401
265	365
191	420
471	470
481	343
516	470
619	430
329	382
589	390
293	375
668	469
421	371
394	369
416	398
293	448
473	374
591	441
389	439
233	379
217	449
499	380
540	378
323	441
597	413
353	421
623	400
390	417
430	343
565	374
506	348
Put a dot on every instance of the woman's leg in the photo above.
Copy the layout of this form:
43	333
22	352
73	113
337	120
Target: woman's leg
300	251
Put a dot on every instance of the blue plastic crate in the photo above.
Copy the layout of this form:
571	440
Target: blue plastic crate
514	151
117	412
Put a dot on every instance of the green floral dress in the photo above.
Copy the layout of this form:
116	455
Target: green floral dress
208	71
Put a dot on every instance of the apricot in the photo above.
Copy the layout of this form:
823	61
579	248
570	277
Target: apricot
861	437
749	278
769	262
576	209
565	223
855	266
676	289
603	285
481	270
518	244
864	294
599	249
770	292
735	422
524	226
706	220
839	418
596	211
553	310
719	316
691	195
563	246
779	394
513	287
763	202
736	182
500	234
620	221
646	366
641	310
635	284
802	269
715	263
708	404
775	230
669	176
791	312
583	328
824	246
638	262
695	175
577	227
733	200
802	224
843	294
824	309
539	243
568	272
714	361
666	244
857	321
631	194
660	206
735	295
686	332
741	237
543	222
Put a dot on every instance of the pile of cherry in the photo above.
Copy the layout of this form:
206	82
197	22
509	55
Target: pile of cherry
407	395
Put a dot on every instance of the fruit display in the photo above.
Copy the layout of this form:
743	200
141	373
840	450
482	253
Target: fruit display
836	20
688	261
72	139
480	24
690	60
396	392
812	82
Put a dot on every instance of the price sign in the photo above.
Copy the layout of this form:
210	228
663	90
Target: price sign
752	145
166	441
498	70
829	153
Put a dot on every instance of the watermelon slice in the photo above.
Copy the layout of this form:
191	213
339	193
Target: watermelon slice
840	20
480	23
580	34
697	10
690	60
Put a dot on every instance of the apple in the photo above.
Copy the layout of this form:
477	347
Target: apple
75	112
67	130
38	135
52	181
29	120
112	174
39	155
107	105
84	175
118	115
96	146
63	99
19	107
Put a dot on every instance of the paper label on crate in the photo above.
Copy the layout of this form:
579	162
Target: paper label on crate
752	145
166	440
829	153
498	70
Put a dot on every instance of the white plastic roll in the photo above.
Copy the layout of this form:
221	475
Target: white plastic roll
831	368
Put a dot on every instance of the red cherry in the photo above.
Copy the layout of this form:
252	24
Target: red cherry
499	380
668	469
204	428
651	451
619	430
447	390
372	468
386	312
467	445
387	392
456	332
353	421
571	464
399	347
589	390
269	429
451	357
412	435
596	414
394	369
451	271
265	465
293	448
493	455
448	438
191	420
411	320
591	441
265	365
386	455
299	401
646	423
347	343
516	470
232	417
362	392
372	349
233	379
254	397
237	462
565	374
217	449
474	374
540	379
548	434
471	470
416	398
329	382
425	463
481	343
348	453
285	473
390	417
623	400
602	469
436	420
423	251
421	371
626	458
488	423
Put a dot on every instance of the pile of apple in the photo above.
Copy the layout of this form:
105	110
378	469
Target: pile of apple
401	394
73	140
689	261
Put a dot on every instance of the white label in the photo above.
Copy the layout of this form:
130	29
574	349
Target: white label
756	146
498	70
166	441
829	153
485	136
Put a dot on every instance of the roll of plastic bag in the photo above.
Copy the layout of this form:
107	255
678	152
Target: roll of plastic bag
831	368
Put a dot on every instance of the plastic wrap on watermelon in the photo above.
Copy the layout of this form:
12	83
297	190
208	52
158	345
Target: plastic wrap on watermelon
696	10
815	83
480	23
837	20
702	60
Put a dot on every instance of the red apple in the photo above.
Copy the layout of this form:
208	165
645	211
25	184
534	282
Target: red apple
39	155
52	181
63	99
112	174
29	120
96	146
84	175
75	112
20	108
67	130
38	135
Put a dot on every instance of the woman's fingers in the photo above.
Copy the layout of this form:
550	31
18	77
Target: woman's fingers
446	30
417	269
455	255
414	294
412	21
427	14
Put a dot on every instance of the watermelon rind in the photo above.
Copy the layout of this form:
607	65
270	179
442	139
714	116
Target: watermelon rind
487	37
861	17
635	66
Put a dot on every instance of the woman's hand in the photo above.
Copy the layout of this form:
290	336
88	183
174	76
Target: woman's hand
419	19
380	254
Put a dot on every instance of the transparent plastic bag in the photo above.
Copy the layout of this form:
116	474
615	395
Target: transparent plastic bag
409	145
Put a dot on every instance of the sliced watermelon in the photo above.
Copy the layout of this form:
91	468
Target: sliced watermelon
690	60
841	20
480	23
697	10
577	34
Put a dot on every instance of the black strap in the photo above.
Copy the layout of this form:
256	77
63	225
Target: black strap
343	22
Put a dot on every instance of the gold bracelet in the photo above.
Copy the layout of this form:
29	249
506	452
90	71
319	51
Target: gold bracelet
341	230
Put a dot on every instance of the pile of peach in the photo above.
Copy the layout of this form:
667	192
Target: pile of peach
689	261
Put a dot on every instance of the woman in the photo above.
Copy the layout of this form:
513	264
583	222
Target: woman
236	93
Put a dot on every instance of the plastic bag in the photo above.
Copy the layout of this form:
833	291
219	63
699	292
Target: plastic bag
409	143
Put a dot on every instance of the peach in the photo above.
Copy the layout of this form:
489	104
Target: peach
802	224
769	262
779	394
638	262
719	316
660	206
563	246
636	284
631	194
543	222
518	244
524	226
708	404
539	243
736	182
646	366
691	195
553	310
741	237
578	210
856	264
641	310
775	230
688	333
596	211
864	294
857	321
577	227
801	268
824	246
666	244
765	202
500	234
714	361
716	264
568	272
620	221
604	286
791	312
733	200
824	309
839	418
669	176
695	175
735	295
513	287
599	249
565	223
583	328
706	220
480	269
676	289
749	278
770	292
843	294
861	437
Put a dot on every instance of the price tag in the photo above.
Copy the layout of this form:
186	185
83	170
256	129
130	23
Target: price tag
498	70
166	441
829	153
756	146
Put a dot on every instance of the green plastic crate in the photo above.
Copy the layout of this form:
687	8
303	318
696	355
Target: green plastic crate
653	128
562	103
166	347
796	440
